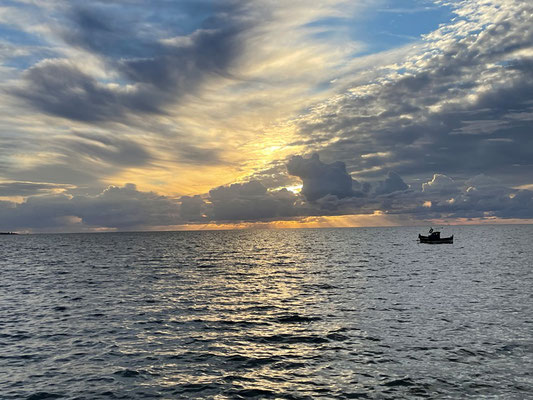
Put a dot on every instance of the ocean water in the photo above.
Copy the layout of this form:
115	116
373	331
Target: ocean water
288	314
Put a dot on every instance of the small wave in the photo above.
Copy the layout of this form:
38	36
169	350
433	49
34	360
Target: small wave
355	395
286	365
337	337
196	387
470	355
240	323
260	308
16	336
287	338
326	286
44	395
422	348
22	357
295	318
62	272
236	378
102	379
127	373
249	393
399	382
508	348
251	362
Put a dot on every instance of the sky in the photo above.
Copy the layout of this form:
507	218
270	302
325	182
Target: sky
161	115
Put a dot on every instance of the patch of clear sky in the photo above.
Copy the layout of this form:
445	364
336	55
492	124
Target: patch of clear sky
393	23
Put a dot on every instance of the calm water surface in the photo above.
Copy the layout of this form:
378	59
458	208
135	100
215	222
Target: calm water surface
289	314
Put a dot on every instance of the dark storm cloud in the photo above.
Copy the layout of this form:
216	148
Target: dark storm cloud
158	72
320	179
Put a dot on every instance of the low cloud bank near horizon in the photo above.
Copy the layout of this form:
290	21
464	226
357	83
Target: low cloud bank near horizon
324	193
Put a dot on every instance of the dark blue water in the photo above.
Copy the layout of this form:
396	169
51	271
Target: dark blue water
290	314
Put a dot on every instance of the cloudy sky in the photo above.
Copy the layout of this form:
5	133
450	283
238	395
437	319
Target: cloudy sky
133	115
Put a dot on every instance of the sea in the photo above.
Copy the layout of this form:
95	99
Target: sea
362	313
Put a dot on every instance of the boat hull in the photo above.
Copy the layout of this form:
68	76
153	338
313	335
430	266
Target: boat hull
426	239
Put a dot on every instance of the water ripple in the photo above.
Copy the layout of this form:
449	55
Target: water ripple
304	314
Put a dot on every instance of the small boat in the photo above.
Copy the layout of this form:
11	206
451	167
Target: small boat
434	238
8	233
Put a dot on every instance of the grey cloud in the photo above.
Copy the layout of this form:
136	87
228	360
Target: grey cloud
251	201
55	173
480	196
198	155
440	184
56	87
320	179
274	176
8	189
38	212
438	116
116	207
249	189
105	30
126	207
193	208
474	202
481	181
116	151
158	73
393	183
184	67
81	158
